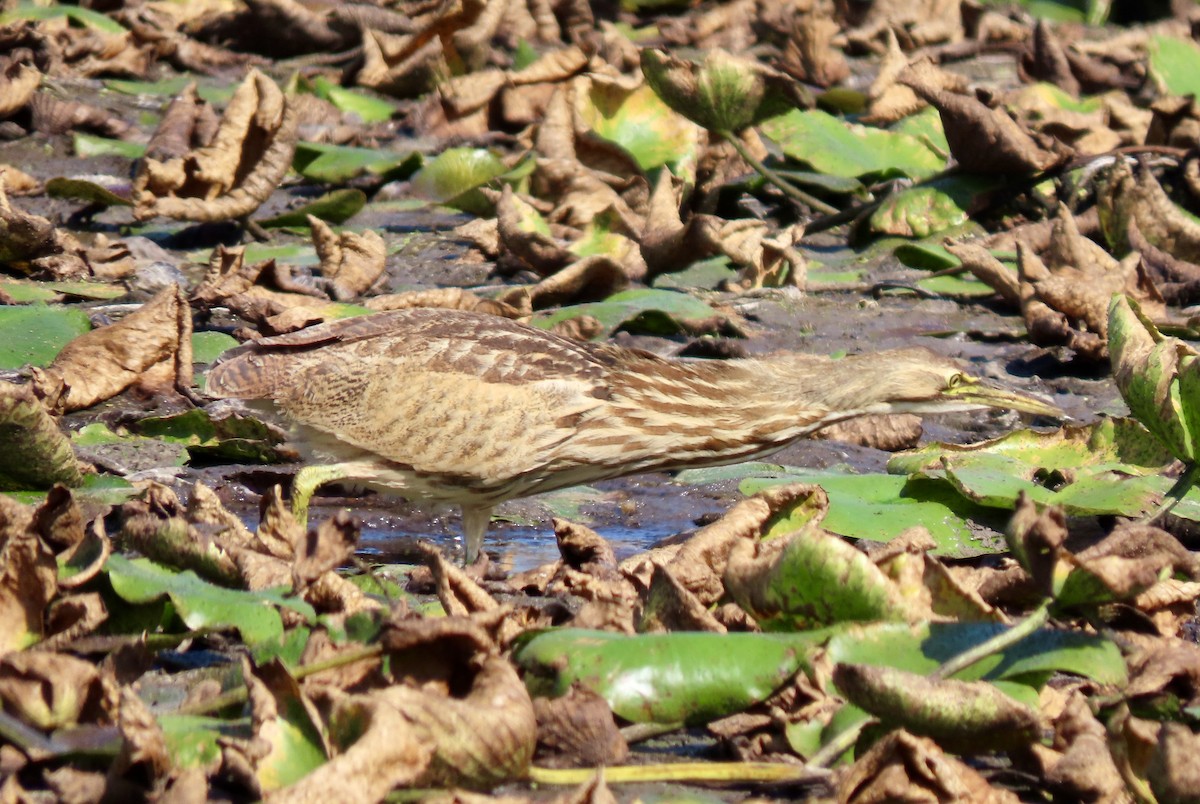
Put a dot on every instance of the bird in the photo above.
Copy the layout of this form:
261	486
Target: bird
475	409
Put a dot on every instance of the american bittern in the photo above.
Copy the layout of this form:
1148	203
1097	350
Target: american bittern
474	409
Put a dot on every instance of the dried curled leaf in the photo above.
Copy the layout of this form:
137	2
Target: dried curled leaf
37	453
351	262
28	577
905	767
1129	200
234	174
18	82
982	140
151	346
479	740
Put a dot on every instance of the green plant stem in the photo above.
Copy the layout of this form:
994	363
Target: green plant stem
239	694
786	187
1001	641
839	745
639	732
1176	493
682	772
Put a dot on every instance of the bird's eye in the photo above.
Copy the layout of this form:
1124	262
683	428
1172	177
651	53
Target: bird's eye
955	381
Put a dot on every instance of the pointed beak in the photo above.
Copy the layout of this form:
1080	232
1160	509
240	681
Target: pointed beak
976	393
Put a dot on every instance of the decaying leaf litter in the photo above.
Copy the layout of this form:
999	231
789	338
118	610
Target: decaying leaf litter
628	175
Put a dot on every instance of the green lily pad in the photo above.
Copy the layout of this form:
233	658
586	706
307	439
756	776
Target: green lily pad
850	150
339	163
665	678
89	145
85	190
639	310
335	207
923	647
1177	62
35	334
881	507
23	292
931	208
454	177
208	346
192	741
926	127
236	437
169	87
643	125
704	274
85	17
369	108
200	604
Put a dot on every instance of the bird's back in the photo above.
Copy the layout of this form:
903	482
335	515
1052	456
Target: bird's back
476	398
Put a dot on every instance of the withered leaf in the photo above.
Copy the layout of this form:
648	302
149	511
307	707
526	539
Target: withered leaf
700	563
904	767
982	140
152	346
231	176
18	83
28	577
1126	199
351	262
37	452
480	739
54	690
577	730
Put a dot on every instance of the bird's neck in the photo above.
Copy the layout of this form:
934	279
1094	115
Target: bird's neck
715	412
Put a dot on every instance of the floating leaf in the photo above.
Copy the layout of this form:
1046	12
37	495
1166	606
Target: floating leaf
881	507
724	93
337	206
37	453
454	177
369	108
85	190
665	678
83	16
850	150
1177	62
207	346
639	310
935	207
89	145
193	741
201	605
35	334
643	125
922	648
338	163
169	87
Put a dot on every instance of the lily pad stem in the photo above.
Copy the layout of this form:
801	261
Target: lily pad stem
999	642
239	694
839	745
1191	474
786	187
682	772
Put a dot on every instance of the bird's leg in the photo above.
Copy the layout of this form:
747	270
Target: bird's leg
309	479
475	524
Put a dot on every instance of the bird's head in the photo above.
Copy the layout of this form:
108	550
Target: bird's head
913	380
920	381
